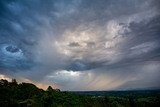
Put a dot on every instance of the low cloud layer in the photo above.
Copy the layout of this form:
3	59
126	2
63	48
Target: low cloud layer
81	44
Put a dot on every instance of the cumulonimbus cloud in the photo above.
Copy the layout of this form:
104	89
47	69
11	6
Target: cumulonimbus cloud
107	44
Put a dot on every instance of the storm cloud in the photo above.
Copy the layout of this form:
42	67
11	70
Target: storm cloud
81	44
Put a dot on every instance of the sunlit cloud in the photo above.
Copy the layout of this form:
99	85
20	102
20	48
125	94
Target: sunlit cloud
82	44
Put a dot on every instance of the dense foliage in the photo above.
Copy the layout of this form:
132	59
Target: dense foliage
13	94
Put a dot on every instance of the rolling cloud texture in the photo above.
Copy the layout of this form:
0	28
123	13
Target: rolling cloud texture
81	44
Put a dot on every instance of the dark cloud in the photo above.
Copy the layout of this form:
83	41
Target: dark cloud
74	44
95	44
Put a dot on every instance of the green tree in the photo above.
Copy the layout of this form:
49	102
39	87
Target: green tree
49	88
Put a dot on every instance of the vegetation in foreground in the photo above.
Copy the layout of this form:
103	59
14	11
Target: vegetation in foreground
13	94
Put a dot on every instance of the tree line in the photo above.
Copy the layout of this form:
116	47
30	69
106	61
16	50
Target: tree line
13	94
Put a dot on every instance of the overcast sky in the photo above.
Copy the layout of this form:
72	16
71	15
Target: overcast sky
81	44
